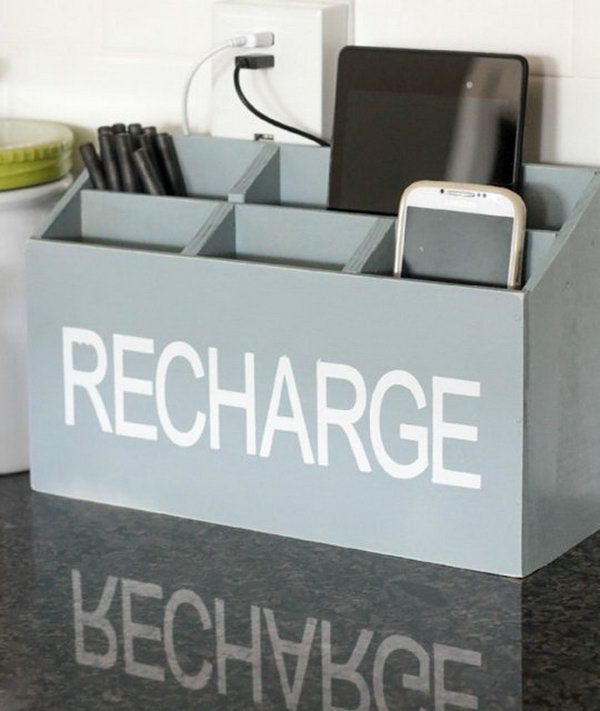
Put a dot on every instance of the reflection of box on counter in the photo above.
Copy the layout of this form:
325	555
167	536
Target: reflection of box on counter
219	592
254	366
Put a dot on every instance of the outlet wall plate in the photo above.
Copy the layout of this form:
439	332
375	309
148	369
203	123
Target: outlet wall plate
300	89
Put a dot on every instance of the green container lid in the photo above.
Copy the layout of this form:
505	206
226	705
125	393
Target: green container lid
33	152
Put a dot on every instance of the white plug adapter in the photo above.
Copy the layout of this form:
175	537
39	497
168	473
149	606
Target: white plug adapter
300	89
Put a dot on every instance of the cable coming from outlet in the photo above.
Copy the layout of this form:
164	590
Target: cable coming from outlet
265	61
258	39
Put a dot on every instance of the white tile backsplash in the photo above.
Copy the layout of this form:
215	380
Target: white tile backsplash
151	27
197	37
99	89
586	42
87	62
539	29
71	24
570	116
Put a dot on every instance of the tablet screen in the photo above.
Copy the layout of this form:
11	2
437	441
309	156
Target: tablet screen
407	115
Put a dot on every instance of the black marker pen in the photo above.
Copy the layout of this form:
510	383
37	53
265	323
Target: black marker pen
124	150
170	163
109	159
148	173
148	142
135	131
93	165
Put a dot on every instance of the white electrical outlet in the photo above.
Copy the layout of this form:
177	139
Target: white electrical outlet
300	89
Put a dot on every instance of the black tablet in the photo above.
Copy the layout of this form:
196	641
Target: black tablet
403	115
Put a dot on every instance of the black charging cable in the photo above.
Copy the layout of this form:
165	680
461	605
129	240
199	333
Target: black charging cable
264	61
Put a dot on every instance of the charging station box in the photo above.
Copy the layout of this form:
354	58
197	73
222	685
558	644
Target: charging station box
244	357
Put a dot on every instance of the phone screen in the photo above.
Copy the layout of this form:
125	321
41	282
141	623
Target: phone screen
463	247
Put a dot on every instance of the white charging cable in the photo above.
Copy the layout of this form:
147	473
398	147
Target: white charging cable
257	39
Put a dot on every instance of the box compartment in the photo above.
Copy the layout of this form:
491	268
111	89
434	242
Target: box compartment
217	167
293	237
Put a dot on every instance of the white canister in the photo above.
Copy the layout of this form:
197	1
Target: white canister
35	158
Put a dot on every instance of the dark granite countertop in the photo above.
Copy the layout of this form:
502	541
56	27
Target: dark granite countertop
105	608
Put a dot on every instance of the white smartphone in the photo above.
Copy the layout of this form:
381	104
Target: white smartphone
460	232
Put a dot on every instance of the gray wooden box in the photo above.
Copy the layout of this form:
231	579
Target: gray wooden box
243	357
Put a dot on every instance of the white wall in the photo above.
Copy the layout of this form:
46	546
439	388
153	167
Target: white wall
559	37
89	62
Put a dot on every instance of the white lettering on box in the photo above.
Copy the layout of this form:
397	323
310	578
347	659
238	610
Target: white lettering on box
284	423
361	421
178	349
219	397
413	433
345	419
136	386
86	379
451	430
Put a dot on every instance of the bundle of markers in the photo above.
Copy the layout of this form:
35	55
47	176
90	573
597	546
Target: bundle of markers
134	160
